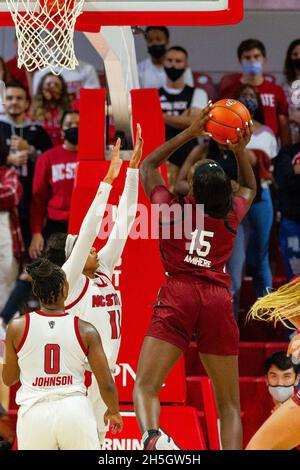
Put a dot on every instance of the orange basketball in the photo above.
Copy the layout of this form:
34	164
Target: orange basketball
227	116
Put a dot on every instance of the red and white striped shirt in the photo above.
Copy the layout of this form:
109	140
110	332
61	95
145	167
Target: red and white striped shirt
10	196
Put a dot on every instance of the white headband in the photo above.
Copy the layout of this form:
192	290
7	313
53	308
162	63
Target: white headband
70	242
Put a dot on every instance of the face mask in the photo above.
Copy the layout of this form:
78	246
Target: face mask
252	68
174	74
157	51
250	103
71	135
280	393
296	63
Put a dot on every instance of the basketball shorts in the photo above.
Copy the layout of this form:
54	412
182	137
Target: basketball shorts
199	310
64	424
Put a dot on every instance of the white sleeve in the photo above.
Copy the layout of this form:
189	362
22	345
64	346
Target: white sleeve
110	254
199	99
89	77
74	265
188	77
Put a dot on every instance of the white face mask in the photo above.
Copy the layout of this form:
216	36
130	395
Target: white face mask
281	393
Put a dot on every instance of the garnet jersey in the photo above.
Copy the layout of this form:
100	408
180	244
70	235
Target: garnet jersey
51	358
98	303
192	244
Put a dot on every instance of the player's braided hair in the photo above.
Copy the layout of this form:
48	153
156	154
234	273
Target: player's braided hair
212	187
281	305
55	249
47	280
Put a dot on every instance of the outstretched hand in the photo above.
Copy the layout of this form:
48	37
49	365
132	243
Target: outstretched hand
243	141
197	128
115	164
138	148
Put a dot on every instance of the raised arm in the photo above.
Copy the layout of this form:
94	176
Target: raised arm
150	174
246	177
74	265
113	249
100	368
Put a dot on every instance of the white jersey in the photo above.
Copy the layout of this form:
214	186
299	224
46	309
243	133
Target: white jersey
96	300
51	358
99	304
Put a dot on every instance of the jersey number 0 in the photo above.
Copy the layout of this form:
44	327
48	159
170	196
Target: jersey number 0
52	359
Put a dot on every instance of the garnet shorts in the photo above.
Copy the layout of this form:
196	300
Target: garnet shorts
186	308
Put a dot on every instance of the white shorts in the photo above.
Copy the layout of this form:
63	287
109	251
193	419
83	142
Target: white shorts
98	406
65	424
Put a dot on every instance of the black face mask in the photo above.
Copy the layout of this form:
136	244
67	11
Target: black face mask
71	135
174	74
296	63
157	51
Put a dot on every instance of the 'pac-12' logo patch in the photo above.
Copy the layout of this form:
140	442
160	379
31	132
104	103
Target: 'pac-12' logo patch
230	102
52	324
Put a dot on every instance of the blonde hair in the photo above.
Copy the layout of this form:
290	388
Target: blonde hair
278	306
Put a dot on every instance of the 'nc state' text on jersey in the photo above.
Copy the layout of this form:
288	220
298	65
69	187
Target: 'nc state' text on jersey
105	300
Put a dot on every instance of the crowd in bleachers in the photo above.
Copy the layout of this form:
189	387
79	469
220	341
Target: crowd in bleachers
39	141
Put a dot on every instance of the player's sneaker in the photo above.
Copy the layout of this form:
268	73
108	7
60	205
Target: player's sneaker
161	442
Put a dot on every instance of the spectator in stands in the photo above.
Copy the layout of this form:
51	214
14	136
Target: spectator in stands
50	103
26	140
11	248
19	74
281	430
151	70
4	77
287	176
83	76
292	87
252	241
53	186
252	57
4	72
180	104
11	242
282	376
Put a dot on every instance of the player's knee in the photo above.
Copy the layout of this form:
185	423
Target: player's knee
145	387
228	407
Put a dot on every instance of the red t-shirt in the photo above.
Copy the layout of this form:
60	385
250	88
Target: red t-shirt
52	187
52	126
272	97
193	245
16	73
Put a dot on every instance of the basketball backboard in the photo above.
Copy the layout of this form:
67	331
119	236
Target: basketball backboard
144	12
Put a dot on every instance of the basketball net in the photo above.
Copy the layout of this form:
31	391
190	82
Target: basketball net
45	33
